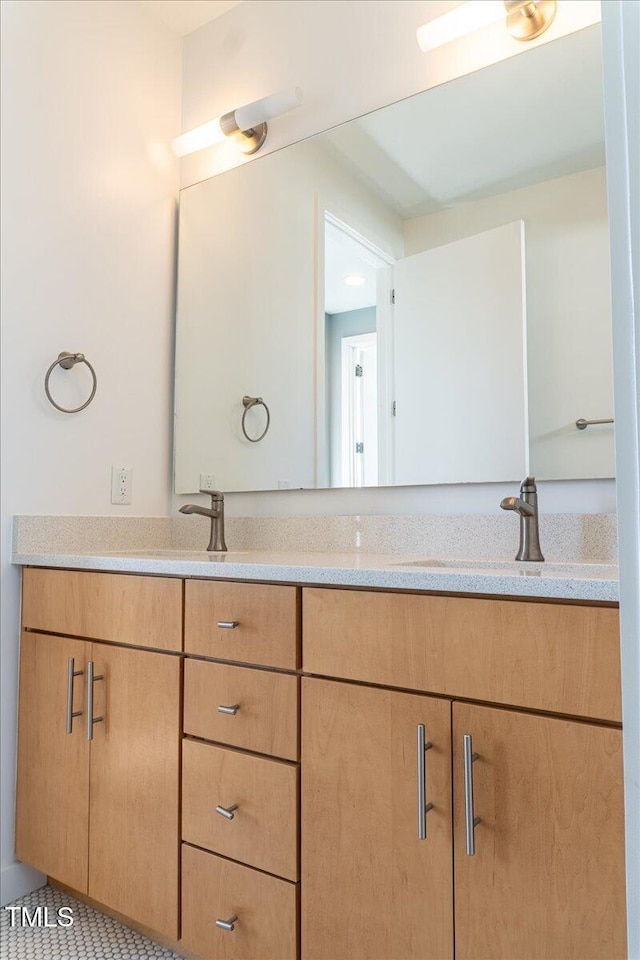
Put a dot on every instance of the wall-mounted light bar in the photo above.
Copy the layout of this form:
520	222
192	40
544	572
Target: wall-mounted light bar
247	125
524	19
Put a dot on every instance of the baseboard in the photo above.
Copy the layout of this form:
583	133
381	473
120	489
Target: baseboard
17	880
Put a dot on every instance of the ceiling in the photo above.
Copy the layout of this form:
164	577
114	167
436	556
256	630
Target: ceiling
184	16
525	120
344	256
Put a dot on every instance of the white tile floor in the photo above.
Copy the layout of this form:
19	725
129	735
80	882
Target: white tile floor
93	936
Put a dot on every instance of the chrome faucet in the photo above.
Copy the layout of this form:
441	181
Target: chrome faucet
526	506
216	512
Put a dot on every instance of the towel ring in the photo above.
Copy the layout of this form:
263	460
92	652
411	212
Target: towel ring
249	402
67	361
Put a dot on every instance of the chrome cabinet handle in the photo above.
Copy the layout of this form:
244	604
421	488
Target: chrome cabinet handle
71	674
229	711
227	924
471	821
423	806
91	679
228	624
227	812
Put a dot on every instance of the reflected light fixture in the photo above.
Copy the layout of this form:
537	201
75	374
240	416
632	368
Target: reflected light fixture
247	125
354	279
524	19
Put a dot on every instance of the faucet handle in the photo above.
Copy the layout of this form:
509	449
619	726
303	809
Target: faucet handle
528	485
216	495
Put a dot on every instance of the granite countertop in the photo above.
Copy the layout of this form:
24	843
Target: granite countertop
564	581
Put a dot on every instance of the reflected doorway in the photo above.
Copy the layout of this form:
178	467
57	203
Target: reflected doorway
357	290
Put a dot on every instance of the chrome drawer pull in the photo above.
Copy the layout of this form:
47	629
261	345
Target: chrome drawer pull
229	711
91	679
471	821
423	806
228	624
227	924
71	673
227	812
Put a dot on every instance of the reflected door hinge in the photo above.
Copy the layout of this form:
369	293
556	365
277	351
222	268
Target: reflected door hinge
359	447
393	296
393	409
358	370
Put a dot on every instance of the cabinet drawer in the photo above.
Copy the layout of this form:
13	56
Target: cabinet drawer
263	831
266	720
141	611
265	908
265	619
557	657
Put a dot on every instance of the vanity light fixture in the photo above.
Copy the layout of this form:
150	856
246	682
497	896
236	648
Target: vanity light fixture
354	279
525	20
246	125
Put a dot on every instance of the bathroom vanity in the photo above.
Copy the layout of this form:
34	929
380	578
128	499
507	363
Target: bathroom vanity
254	760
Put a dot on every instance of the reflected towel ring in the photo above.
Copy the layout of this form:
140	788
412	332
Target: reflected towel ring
67	361
249	402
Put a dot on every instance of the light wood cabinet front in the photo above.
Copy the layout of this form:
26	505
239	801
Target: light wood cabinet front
142	611
371	889
52	804
264	908
262	622
135	769
547	879
555	657
266	719
263	829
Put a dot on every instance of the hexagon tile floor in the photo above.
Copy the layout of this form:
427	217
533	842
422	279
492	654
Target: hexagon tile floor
93	936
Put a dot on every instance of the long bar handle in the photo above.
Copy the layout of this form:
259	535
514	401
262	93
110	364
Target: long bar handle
228	624
423	806
71	674
227	924
471	821
227	812
91	679
229	711
582	424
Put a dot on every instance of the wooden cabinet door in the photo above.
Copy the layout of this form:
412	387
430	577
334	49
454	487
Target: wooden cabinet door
546	881
135	764
52	815
370	888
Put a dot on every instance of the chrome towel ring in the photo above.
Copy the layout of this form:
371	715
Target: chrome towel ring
67	361
249	402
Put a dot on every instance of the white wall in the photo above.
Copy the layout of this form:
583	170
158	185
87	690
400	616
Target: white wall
257	49
91	97
621	43
568	311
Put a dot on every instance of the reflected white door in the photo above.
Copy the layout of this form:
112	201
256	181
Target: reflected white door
359	417
460	361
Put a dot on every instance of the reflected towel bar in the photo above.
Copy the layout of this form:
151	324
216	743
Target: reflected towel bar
583	424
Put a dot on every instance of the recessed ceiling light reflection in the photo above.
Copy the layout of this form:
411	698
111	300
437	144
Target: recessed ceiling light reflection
354	279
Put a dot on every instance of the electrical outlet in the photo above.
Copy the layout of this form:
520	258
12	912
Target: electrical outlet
121	485
207	481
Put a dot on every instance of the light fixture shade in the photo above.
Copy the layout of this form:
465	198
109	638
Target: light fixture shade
466	18
200	137
244	118
266	109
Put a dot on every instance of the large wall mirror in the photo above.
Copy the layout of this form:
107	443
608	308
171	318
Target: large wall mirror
419	296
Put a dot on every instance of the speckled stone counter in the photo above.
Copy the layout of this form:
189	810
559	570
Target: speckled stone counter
568	581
